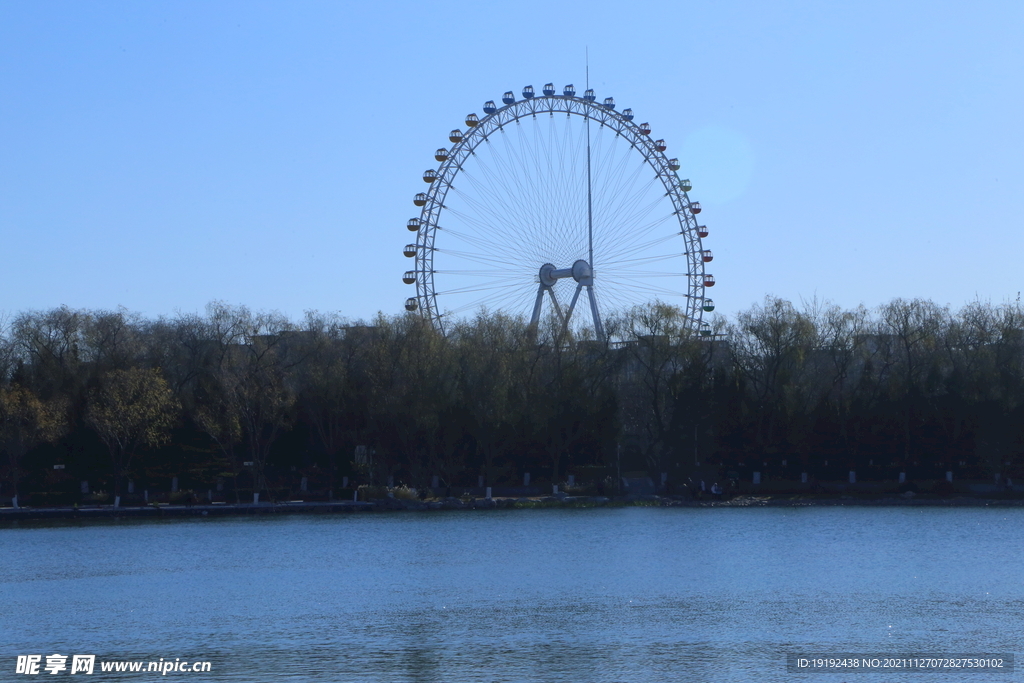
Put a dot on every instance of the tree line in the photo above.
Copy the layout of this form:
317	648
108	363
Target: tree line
237	400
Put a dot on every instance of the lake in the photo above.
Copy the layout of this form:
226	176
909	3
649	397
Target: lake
611	594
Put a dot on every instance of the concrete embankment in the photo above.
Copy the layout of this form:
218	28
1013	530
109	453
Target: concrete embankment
394	504
298	507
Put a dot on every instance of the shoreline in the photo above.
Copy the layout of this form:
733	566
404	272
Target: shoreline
398	505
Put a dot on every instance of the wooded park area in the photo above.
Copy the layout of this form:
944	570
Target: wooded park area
238	401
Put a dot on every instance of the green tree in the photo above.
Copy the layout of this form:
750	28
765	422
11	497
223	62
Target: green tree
221	424
131	409
26	421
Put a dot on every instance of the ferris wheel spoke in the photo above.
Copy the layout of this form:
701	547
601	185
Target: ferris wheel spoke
607	166
614	194
615	173
472	289
532	226
503	212
507	211
614	253
633	283
492	254
565	215
562	164
622	228
489	198
620	256
655	226
561	213
627	234
634	207
487	243
515	303
489	237
645	274
571	191
525	184
606	196
489	218
473	273
480	245
652	235
478	258
633	263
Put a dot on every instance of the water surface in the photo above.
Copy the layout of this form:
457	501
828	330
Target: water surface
633	594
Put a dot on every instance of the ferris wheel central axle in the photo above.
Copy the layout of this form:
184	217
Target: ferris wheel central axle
583	274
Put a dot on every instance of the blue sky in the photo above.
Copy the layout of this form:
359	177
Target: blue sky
159	156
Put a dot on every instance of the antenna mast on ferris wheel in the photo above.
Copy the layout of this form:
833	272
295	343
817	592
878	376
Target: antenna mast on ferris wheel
598	327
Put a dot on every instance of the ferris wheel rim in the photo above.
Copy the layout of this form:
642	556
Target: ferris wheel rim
483	128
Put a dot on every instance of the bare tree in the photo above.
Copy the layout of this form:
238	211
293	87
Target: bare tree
111	340
771	342
840	334
913	328
48	344
333	396
252	381
652	336
490	357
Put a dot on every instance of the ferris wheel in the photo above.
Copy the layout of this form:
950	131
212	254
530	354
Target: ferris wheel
556	200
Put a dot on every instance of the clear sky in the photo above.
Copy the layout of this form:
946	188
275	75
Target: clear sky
160	155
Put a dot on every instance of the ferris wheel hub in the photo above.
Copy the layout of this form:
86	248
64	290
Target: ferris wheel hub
580	271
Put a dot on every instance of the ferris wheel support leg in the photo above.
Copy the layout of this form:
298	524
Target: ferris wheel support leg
558	309
598	327
535	318
572	305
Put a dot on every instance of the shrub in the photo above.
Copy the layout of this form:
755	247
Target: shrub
405	493
588	489
367	492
